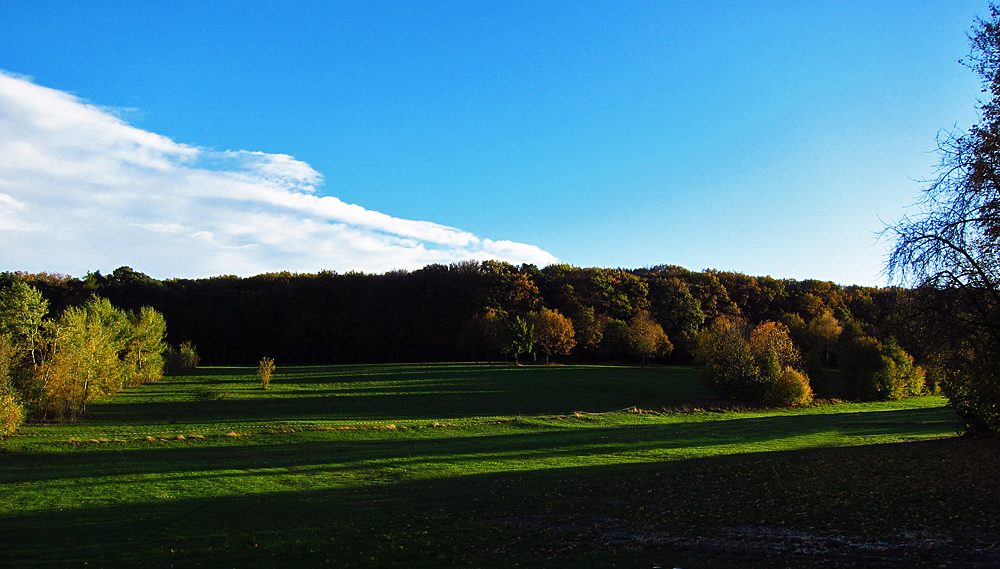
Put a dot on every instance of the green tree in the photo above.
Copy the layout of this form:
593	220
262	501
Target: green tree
95	350
587	328
880	371
22	309
509	335
11	410
518	337
614	339
728	366
145	347
673	305
84	360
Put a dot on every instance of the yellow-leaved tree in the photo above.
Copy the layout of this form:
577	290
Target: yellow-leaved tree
95	350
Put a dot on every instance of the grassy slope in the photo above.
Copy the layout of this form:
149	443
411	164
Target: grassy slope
480	466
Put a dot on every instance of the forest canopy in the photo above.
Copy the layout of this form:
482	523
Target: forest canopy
444	312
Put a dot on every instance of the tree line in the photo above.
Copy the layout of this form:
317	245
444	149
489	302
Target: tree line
470	311
758	339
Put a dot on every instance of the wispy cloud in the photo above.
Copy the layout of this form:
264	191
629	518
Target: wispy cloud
80	189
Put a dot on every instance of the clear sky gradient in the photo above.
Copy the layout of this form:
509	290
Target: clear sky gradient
769	138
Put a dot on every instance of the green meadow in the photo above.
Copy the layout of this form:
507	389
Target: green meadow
491	466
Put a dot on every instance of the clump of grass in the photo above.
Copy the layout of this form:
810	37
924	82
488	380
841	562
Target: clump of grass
232	434
640	411
264	372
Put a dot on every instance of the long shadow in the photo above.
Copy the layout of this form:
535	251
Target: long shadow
411	523
422	394
338	452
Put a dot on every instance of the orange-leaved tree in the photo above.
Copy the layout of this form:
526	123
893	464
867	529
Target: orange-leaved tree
646	338
553	333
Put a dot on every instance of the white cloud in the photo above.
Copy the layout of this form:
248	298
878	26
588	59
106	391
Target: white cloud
80	189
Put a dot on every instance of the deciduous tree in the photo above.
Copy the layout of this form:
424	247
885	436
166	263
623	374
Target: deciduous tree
145	347
646	338
759	366
950	248
553	333
22	309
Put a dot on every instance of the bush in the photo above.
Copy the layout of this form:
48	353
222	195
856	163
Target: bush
11	411
974	391
876	372
789	389
11	414
264	372
759	367
184	357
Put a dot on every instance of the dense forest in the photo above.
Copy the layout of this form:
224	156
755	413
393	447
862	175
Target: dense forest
436	313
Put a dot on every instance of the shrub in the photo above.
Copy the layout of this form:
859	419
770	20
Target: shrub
11	411
11	414
264	372
184	357
973	391
757	367
874	371
789	389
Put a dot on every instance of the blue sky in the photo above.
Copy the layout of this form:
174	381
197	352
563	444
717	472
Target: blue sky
191	139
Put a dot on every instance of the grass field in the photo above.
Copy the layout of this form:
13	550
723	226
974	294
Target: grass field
479	466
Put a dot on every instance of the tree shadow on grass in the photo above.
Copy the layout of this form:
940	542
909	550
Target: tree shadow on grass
580	517
265	455
423	393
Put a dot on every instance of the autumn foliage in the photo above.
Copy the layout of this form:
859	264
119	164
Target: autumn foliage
53	367
554	334
756	366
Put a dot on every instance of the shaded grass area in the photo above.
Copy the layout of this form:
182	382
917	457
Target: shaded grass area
440	487
398	392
